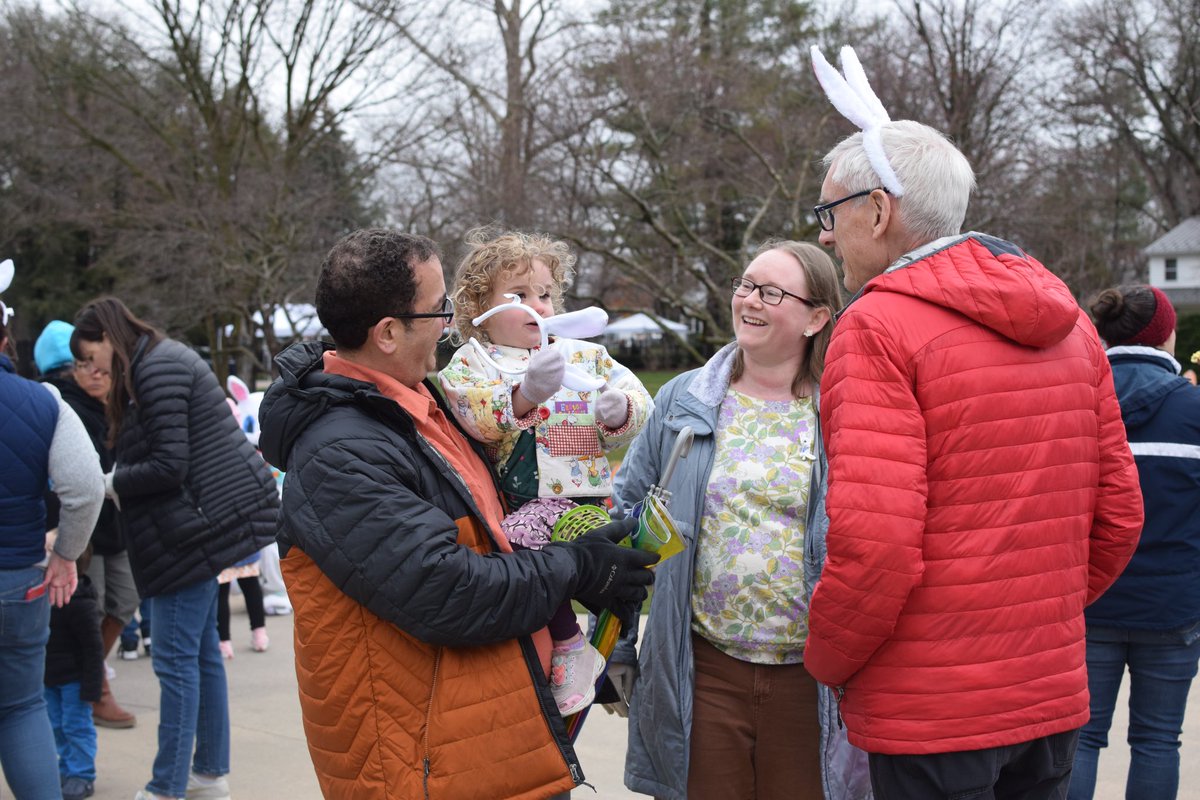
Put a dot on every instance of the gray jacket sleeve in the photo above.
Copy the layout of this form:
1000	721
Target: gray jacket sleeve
76	478
639	470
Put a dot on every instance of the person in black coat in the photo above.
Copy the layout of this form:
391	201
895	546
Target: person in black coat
196	498
74	674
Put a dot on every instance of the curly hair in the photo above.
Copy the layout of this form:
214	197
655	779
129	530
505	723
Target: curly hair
494	256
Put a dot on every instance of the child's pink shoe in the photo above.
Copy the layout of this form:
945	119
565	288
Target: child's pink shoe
258	640
574	668
226	649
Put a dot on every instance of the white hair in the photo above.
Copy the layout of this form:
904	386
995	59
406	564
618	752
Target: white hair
937	178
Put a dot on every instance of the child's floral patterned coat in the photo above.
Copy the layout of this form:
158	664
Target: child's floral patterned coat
571	443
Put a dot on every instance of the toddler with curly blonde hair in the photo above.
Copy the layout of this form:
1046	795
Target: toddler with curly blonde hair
547	442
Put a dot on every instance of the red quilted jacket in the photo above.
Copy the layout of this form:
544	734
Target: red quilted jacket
982	492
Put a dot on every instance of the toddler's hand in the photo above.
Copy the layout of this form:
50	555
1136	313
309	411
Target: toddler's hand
543	375
612	408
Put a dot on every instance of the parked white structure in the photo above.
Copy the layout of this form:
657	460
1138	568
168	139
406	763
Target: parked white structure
640	328
1175	264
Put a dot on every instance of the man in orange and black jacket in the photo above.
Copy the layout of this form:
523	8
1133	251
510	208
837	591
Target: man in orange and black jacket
421	650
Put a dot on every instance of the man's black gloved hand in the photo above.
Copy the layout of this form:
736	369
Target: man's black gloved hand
610	576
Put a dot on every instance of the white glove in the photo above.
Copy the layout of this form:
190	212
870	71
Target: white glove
543	375
612	408
622	677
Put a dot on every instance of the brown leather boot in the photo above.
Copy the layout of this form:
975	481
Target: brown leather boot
107	713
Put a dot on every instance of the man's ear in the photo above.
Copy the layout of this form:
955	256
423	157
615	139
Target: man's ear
385	335
883	210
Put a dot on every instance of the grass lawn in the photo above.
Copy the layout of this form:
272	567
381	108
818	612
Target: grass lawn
653	381
579	609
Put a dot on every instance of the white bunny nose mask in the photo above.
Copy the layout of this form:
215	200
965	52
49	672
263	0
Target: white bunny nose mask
581	324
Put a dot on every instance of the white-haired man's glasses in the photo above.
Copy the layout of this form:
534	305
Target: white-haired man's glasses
824	212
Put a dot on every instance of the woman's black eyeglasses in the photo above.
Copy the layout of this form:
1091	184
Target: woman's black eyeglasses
447	312
824	213
771	295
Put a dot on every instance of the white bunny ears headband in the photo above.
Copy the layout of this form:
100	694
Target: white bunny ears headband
853	97
6	276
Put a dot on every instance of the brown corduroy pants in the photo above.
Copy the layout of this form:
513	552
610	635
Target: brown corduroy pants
755	730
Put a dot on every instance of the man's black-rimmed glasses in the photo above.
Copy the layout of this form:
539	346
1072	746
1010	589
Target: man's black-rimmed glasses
447	312
771	295
824	212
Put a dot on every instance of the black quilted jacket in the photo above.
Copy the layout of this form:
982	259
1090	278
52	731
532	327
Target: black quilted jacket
196	495
75	652
377	509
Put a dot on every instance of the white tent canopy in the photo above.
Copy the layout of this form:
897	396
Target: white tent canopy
641	326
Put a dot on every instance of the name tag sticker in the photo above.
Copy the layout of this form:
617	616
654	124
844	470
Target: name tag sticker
570	407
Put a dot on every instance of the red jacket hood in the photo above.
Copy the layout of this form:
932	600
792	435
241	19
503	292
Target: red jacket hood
991	281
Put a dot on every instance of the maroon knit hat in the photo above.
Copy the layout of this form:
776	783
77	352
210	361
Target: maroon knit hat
1161	325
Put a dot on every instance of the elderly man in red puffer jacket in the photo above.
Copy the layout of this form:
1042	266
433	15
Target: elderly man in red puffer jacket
982	491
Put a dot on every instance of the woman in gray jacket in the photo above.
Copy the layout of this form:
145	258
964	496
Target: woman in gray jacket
722	706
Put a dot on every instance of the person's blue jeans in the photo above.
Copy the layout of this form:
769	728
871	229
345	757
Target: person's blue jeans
129	634
1162	665
74	731
27	753
194	709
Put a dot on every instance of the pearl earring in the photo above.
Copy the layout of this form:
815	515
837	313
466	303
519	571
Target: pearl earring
808	333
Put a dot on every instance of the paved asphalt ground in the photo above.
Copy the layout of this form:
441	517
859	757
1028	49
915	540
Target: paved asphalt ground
270	760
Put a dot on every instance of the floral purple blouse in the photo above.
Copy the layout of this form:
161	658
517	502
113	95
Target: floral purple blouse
748	595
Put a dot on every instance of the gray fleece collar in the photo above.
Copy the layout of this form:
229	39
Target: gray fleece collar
712	381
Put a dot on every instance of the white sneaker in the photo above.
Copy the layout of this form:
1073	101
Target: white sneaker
276	605
199	788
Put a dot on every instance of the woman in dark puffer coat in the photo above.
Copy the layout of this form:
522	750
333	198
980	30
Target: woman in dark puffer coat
1149	620
197	498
